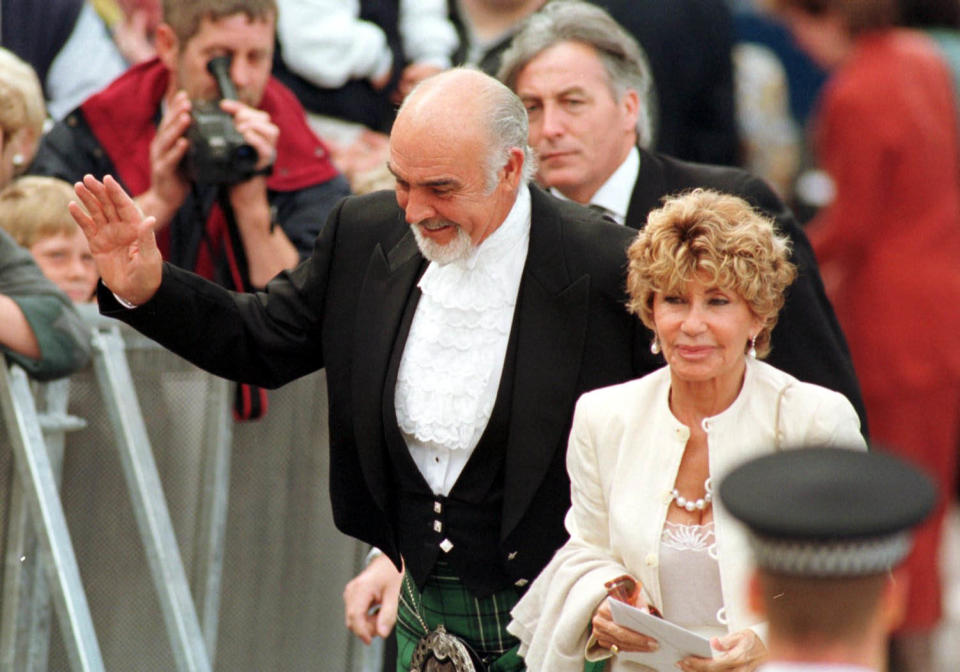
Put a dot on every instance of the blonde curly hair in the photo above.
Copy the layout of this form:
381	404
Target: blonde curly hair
716	237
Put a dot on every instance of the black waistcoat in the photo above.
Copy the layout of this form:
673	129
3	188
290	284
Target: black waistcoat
467	521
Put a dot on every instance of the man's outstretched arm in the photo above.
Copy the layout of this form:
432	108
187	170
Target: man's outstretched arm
266	339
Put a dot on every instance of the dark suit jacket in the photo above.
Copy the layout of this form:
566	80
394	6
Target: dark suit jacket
807	341
342	309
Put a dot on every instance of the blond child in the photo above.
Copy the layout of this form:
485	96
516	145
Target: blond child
33	210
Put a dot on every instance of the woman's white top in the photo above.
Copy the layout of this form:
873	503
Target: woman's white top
623	456
690	578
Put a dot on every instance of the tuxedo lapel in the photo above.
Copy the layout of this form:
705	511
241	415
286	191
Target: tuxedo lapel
552	324
388	284
648	191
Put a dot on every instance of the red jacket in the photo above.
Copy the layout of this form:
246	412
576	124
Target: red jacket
889	244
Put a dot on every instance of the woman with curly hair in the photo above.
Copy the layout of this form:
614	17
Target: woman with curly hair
707	276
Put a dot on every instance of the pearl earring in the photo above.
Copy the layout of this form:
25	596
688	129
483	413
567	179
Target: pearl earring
18	160
752	352
655	346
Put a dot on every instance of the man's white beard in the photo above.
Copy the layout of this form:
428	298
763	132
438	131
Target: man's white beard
459	248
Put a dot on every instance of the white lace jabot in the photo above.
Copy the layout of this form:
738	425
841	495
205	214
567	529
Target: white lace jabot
453	360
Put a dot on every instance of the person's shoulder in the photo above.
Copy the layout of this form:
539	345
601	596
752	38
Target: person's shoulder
883	67
797	398
681	175
74	125
70	149
278	95
373	203
374	214
897	45
636	393
585	234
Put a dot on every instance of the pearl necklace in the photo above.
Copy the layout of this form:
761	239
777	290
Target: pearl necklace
691	504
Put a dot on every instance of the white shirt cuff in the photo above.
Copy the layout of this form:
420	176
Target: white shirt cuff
372	555
130	306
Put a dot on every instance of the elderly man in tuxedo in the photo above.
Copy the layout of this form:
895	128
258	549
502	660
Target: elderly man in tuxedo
458	321
586	87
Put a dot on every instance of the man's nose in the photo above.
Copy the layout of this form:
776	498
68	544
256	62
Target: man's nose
416	208
553	122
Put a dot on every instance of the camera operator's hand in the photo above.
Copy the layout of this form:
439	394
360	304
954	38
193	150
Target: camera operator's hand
267	248
256	128
168	187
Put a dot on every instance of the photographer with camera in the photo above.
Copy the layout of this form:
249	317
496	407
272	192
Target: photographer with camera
210	144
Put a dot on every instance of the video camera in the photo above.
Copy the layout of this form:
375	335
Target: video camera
218	154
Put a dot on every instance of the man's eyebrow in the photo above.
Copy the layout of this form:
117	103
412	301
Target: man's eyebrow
433	183
573	89
440	182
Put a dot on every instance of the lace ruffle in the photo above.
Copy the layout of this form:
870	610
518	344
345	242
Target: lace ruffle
682	537
446	370
458	340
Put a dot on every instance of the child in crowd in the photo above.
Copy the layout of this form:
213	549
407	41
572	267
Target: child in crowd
33	210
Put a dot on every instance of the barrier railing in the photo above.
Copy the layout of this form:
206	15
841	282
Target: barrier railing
149	505
152	457
35	492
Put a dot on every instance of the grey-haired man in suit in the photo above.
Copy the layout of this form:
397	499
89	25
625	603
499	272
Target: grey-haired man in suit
586	86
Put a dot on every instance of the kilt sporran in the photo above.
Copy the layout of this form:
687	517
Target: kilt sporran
438	650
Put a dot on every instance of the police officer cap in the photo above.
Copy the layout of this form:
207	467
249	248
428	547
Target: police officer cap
828	512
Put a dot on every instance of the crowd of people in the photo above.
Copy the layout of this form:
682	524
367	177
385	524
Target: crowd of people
572	319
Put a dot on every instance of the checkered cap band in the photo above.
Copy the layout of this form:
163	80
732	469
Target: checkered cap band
831	558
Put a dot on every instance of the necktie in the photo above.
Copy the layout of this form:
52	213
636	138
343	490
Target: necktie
605	212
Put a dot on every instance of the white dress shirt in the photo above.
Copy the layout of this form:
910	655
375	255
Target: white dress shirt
453	359
614	195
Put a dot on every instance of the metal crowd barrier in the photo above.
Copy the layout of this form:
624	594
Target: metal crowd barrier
165	536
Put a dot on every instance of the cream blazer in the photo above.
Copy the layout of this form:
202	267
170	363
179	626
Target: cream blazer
623	455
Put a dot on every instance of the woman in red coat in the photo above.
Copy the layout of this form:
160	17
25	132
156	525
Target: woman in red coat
889	248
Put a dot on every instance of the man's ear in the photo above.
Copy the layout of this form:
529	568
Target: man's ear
167	46
755	599
630	103
894	599
513	168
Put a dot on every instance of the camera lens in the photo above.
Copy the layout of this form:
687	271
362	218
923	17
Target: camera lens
245	153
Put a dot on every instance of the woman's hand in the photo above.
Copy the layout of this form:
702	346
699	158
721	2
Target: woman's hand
608	633
741	651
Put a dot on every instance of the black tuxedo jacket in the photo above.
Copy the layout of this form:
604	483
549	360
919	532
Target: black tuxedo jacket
807	341
342	310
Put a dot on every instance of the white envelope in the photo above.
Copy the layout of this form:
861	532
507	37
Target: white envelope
676	642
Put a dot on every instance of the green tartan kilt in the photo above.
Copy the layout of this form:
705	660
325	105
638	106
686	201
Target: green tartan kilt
480	622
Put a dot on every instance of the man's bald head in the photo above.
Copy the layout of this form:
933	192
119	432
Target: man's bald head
458	153
466	103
